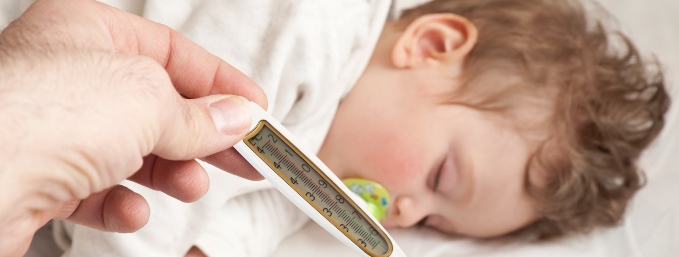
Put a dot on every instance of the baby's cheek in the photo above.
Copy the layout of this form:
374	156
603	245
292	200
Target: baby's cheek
395	163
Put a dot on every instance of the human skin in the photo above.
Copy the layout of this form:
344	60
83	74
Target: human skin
447	166
90	96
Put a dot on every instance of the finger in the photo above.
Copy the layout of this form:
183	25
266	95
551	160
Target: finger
194	128
63	210
117	209
186	181
231	161
193	70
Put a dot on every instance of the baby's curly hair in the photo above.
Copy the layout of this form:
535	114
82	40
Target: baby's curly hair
608	104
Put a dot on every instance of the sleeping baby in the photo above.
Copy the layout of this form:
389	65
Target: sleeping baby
480	118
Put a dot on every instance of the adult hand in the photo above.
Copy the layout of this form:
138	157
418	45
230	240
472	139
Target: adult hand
90	96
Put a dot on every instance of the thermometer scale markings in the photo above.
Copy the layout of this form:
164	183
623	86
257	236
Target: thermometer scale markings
326	198
296	170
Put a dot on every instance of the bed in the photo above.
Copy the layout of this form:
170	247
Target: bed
651	226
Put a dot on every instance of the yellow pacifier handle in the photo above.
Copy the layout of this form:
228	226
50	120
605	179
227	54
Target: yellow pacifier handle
374	194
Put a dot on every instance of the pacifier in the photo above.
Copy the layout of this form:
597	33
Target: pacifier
375	197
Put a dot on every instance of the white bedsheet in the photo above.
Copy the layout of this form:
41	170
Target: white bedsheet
651	227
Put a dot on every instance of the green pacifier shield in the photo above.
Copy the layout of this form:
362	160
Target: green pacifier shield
374	194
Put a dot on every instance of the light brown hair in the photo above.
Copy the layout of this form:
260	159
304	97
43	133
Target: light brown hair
608	103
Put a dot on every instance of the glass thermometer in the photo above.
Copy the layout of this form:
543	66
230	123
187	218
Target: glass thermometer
312	187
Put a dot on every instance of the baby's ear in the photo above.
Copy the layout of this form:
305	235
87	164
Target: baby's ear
434	39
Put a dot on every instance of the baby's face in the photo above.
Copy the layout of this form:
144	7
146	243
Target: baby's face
450	167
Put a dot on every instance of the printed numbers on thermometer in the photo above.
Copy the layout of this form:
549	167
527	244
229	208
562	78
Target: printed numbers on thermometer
315	187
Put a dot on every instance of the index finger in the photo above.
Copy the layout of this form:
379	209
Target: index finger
193	70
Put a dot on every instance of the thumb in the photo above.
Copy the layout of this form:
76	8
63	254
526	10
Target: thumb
203	126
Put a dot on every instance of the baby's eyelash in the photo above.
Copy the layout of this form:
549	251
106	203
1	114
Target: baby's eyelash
437	178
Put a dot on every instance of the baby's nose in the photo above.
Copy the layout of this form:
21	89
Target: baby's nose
405	212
